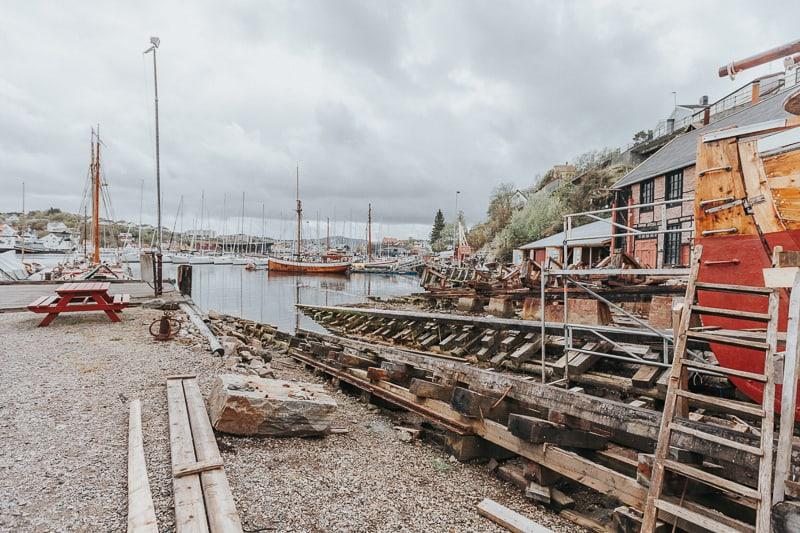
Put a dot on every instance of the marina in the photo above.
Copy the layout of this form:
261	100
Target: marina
611	345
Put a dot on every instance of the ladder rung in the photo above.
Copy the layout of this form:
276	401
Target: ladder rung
721	287
732	313
725	370
710	479
675	426
731	406
693	517
722	339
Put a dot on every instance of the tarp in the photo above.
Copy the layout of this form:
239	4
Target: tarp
11	268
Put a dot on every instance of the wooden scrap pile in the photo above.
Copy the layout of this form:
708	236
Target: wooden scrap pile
560	434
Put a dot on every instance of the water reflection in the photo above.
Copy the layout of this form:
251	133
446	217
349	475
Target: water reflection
271	297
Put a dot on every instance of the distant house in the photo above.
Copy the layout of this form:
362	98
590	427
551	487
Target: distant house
669	174
588	244
57	227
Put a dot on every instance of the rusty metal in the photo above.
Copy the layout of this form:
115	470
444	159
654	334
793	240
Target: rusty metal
168	327
772	54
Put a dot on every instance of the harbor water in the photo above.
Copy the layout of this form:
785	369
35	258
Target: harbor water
270	297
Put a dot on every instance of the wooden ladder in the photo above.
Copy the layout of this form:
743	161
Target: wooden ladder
676	404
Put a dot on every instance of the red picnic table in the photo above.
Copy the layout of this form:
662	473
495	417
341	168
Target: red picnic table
80	296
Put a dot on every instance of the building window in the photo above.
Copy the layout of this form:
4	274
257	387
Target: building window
674	186
672	245
645	228
646	195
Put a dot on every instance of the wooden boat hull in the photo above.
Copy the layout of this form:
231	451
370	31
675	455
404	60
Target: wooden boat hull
308	267
738	241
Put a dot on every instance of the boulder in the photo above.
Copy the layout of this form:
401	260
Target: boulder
213	315
256	406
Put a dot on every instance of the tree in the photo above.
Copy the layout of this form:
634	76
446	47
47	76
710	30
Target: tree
438	226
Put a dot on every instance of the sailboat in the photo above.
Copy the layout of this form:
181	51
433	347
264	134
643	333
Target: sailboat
300	265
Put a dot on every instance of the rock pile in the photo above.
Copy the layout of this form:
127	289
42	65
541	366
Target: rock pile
244	352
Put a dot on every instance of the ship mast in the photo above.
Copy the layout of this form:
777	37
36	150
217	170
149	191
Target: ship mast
369	233
299	211
96	196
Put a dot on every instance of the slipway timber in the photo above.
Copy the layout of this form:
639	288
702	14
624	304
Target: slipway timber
562	433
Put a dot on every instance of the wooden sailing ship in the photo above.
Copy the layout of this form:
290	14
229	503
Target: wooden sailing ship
299	264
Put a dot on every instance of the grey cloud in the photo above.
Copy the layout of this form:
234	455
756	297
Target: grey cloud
394	103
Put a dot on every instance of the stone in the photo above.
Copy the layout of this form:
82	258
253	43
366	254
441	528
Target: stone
213	315
500	307
256	344
231	361
469	305
265	355
154	303
265	372
256	406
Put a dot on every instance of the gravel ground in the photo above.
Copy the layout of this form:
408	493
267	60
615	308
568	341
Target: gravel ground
63	444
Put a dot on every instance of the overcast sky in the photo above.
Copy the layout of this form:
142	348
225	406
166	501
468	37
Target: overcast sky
395	103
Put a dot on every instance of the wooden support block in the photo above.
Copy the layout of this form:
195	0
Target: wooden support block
646	375
195	468
538	431
584	521
469	447
538	493
355	361
476	405
427	389
513	474
527	351
509	519
141	512
541	474
559	500
580	362
629	520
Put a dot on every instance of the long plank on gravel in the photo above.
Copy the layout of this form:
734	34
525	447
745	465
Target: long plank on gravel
220	507
511	520
190	511
141	512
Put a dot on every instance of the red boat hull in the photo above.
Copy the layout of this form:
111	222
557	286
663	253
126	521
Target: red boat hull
307	267
739	260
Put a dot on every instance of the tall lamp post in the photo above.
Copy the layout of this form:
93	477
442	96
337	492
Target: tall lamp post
455	227
155	42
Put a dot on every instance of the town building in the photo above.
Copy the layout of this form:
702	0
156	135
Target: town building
588	244
669	175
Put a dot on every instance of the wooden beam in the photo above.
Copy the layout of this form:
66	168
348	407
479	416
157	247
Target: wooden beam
141	512
190	511
220	507
635	423
511	520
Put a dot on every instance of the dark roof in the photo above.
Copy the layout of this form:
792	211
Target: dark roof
681	151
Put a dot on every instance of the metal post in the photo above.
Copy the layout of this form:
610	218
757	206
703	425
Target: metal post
155	41
542	275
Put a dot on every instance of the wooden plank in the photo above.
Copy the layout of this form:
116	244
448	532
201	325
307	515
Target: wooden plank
791	370
539	431
220	507
141	512
694	517
190	511
755	183
511	520
645	376
195	468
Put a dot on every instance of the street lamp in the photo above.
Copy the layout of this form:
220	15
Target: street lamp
155	42
455	226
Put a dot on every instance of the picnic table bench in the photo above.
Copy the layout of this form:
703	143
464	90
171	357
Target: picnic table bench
79	297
